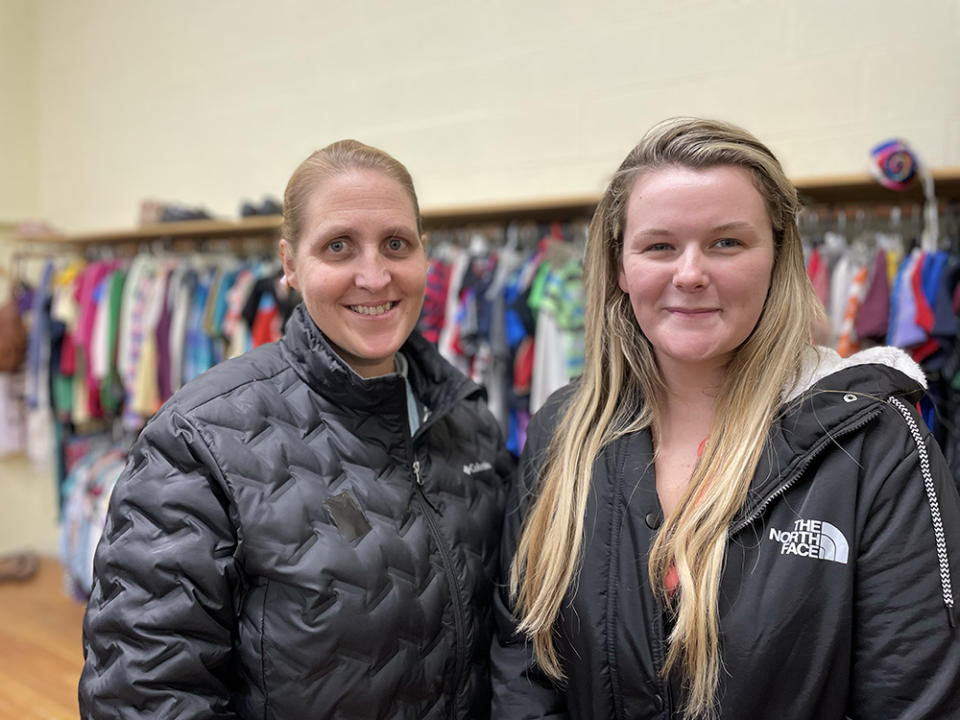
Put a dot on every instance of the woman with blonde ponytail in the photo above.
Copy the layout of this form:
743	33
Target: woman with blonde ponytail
719	519
310	531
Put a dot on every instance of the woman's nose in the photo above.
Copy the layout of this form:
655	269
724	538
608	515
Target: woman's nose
690	272
372	273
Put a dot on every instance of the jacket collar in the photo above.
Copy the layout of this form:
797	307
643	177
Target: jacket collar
820	362
437	384
833	396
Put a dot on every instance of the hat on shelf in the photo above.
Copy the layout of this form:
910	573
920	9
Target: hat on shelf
268	206
157	211
897	166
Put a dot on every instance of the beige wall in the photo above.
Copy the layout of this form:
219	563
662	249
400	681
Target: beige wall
211	102
19	185
28	511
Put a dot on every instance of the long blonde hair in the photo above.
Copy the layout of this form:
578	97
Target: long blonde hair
618	394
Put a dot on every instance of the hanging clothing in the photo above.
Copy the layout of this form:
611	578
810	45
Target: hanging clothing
873	315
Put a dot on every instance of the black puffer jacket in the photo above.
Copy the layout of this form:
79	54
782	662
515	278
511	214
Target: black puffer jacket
279	547
837	593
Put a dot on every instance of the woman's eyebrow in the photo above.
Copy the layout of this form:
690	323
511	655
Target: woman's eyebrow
651	233
401	230
735	225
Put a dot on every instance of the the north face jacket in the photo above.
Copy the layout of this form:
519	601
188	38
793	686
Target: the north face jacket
837	595
280	547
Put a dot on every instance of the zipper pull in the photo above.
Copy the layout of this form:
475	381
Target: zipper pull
416	472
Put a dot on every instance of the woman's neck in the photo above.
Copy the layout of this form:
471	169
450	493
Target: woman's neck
683	424
691	382
685	415
689	397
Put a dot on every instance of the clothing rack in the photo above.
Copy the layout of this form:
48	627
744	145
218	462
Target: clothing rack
852	189
522	227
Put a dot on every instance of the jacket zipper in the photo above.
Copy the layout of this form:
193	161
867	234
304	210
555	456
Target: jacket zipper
430	513
458	613
944	561
798	473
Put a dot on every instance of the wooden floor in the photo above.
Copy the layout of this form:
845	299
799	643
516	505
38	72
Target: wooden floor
40	649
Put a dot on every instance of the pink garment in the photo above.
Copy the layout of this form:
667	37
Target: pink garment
84	292
68	358
813	263
820	276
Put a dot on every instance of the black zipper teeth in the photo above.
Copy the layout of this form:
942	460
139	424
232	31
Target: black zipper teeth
428	512
931	490
811	456
454	593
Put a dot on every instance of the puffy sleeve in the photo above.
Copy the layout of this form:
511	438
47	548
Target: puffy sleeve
521	691
906	643
160	621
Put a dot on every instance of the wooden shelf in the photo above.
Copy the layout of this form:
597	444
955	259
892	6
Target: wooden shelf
841	189
268	226
863	188
262	225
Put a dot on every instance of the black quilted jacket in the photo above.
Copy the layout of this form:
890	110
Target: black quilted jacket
279	547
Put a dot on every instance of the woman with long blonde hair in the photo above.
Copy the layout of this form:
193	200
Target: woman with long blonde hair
719	519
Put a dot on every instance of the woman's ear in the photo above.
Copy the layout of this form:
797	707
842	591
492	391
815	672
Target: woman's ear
288	260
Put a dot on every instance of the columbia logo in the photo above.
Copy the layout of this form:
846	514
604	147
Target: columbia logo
813	539
471	468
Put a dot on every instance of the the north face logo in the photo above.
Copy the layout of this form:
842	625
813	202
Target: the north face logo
813	539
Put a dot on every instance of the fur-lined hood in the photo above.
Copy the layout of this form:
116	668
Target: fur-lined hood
820	362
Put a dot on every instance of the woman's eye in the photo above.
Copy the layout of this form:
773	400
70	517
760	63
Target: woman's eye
396	244
657	247
728	243
337	246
